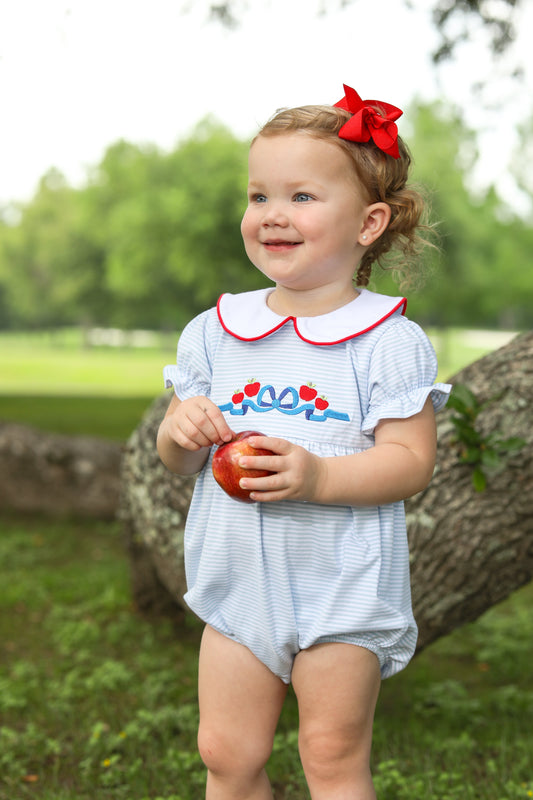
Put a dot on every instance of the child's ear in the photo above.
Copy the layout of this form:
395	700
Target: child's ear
376	221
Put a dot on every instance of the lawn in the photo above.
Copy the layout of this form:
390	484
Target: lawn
55	382
98	702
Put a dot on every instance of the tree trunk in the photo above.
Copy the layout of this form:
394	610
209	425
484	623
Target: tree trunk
55	474
469	549
153	510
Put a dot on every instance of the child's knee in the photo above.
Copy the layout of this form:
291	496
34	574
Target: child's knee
226	753
327	755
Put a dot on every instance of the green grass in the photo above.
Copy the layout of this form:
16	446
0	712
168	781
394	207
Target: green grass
97	701
110	417
58	363
53	382
94	700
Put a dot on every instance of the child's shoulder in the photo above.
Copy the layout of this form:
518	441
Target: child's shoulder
396	335
397	346
393	337
400	325
387	319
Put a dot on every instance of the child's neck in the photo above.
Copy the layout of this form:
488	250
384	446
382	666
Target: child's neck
310	303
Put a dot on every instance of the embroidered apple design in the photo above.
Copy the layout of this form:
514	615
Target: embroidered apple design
237	397
321	403
308	392
226	469
252	387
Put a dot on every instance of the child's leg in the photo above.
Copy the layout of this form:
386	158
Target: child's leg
240	703
337	686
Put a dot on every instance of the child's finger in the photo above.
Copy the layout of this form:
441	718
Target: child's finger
269	494
274	482
271	463
201	421
223	432
278	446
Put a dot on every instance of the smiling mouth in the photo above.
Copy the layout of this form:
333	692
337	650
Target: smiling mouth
280	244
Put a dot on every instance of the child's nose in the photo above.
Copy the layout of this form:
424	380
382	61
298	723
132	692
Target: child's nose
275	214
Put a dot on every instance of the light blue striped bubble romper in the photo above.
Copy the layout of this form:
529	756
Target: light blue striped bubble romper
280	577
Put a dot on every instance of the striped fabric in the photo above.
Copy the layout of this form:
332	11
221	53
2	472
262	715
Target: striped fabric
280	577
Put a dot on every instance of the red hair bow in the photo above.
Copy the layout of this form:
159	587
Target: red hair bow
368	123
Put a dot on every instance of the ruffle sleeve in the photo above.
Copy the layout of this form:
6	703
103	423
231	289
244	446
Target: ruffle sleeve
402	374
191	375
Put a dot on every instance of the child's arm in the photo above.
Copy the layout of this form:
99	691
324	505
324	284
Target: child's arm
399	465
187	431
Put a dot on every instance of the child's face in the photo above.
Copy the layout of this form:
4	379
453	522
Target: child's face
305	214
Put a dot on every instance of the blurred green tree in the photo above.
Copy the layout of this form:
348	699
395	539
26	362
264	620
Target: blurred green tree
48	269
169	226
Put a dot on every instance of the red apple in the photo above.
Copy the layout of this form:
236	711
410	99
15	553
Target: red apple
308	392
252	388
321	403
227	471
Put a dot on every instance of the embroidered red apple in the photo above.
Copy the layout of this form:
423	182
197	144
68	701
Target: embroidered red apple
308	392
321	403
252	387
238	397
226	469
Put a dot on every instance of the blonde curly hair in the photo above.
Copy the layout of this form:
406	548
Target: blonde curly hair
381	177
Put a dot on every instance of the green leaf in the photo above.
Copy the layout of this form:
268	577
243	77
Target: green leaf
512	444
463	400
479	480
490	459
471	455
466	433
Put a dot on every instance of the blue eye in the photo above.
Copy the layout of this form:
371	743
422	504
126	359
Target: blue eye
302	197
257	198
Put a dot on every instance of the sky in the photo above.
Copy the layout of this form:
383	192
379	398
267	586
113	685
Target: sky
77	75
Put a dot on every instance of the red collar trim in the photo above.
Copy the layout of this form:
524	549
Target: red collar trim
247	317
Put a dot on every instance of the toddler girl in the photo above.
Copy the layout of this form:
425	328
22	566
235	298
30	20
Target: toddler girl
309	584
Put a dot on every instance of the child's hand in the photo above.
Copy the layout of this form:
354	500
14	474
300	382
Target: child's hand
196	423
297	471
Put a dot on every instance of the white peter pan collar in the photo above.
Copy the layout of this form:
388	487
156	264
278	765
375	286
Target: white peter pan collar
248	317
